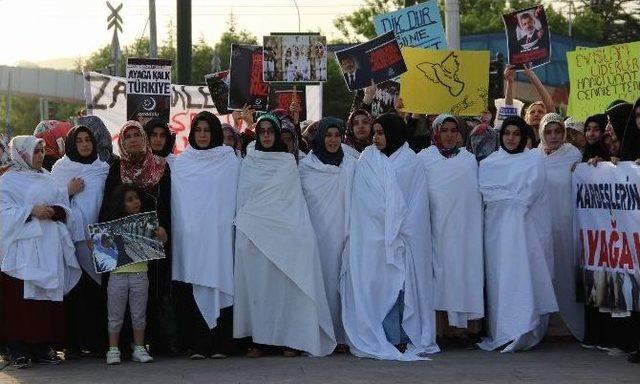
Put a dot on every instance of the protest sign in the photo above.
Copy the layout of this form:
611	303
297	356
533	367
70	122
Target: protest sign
281	95
148	89
125	241
378	60
294	57
384	99
600	75
607	235
245	78
503	110
528	37
218	84
417	26
440	81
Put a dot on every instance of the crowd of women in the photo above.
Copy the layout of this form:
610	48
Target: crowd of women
375	236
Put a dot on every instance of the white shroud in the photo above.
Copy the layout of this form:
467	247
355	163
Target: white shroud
389	250
456	211
518	279
558	166
38	252
85	206
327	189
280	297
203	205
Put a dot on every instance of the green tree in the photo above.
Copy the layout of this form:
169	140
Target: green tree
358	26
232	36
336	98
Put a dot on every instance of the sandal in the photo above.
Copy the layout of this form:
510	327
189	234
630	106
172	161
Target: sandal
254	352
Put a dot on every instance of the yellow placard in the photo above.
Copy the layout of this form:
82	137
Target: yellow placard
601	75
440	81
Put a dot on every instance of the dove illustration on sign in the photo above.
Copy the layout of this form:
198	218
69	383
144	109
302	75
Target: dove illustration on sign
444	73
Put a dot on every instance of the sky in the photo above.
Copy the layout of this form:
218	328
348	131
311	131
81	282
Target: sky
40	30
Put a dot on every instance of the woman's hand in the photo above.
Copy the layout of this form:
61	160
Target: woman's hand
75	186
161	234
42	212
509	73
247	115
615	160
370	93
295	108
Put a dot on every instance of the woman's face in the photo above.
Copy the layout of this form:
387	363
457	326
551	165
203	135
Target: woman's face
133	141
511	137
131	203
379	139
84	144
361	127
449	134
266	133
577	139
38	156
228	139
637	116
613	145
332	140
158	139
287	138
203	134
534	114
592	132
553	136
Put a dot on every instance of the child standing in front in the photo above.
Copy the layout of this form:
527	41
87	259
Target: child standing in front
128	282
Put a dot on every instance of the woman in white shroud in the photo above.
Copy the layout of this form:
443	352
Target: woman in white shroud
203	206
456	207
517	244
280	298
387	280
37	255
327	176
84	174
559	158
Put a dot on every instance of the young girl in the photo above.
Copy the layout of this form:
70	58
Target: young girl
129	281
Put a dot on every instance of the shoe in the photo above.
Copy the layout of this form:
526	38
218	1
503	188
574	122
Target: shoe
254	352
616	352
20	362
140	355
588	346
113	356
634	357
48	356
219	356
290	353
197	356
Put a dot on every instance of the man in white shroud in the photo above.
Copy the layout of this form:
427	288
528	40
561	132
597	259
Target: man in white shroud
280	295
456	211
559	159
517	243
387	280
327	177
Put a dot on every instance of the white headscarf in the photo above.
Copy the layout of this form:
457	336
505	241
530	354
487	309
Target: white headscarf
21	150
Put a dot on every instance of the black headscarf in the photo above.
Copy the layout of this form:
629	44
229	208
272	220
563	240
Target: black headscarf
630	142
71	149
350	136
597	149
217	138
619	116
319	149
395	131
525	133
170	138
278	144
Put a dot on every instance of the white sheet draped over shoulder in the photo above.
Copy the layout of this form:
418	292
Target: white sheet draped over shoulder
203	206
85	206
389	250
327	189
38	252
558	173
280	296
456	211
518	279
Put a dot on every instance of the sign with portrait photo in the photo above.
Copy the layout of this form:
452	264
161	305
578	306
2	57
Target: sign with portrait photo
528	37
294	58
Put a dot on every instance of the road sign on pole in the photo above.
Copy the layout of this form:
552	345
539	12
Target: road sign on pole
114	21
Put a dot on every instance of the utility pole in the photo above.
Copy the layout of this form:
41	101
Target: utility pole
153	38
8	105
184	41
115	21
452	23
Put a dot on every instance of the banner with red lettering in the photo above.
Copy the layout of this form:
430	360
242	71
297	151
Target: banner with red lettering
245	78
379	60
607	233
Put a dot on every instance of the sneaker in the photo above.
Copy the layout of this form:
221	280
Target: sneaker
588	346
616	352
48	356
113	356
197	356
20	362
140	355
219	355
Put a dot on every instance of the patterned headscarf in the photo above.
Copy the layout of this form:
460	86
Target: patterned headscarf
144	171
237	139
436	126
21	150
287	125
54	133
350	136
101	134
